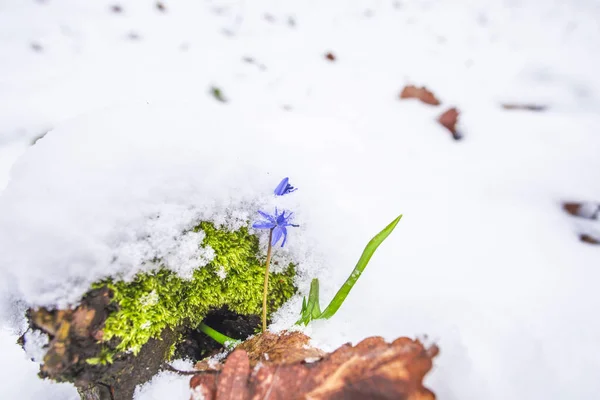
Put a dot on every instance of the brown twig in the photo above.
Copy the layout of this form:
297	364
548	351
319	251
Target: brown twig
177	371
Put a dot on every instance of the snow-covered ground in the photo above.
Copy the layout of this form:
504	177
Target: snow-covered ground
484	261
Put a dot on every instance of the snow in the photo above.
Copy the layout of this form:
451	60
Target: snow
216	359
35	345
167	384
19	375
484	261
221	273
123	195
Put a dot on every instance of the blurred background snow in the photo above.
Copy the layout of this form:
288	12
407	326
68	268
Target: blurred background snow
485	261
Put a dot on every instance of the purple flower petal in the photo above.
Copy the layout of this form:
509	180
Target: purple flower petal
284	230
278	223
280	189
267	216
277	233
284	187
263	225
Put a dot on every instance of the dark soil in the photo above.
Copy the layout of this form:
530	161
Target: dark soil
196	345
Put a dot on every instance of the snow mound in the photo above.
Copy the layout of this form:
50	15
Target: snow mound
113	192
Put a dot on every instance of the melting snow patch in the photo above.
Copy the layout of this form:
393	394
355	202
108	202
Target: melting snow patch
35	345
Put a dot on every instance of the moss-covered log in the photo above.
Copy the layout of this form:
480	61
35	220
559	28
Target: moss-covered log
76	337
122	332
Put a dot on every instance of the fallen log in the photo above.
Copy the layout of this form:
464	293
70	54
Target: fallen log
75	336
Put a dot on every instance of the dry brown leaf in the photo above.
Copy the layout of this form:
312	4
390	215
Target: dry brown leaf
204	386
371	369
233	381
413	92
584	237
587	210
449	119
282	349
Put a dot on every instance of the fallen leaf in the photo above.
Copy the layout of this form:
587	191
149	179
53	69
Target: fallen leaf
413	92
588	210
204	386
233	380
82	318
373	369
284	348
584	237
449	120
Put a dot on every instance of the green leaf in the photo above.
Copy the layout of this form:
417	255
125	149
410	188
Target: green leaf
218	336
341	295
311	309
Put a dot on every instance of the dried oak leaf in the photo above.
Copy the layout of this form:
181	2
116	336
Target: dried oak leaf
282	349
584	237
413	92
371	369
449	120
587	210
233	381
204	386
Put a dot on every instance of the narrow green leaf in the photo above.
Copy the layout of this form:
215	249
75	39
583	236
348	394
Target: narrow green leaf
218	336
311	309
313	299
341	295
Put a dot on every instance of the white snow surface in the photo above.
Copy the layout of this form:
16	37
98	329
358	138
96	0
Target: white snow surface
484	261
121	188
19	375
35	345
167	384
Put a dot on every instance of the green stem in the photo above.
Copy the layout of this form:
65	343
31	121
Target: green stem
266	287
340	296
218	336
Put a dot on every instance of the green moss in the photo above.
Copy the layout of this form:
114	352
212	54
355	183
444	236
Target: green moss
154	301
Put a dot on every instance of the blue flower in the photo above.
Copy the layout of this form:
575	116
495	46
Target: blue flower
284	187
277	222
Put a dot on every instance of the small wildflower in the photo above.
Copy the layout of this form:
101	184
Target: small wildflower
284	187
277	222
